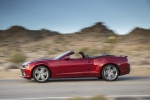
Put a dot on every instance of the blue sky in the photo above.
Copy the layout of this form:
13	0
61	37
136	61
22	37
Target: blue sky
68	16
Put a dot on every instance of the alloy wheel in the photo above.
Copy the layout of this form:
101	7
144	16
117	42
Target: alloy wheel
110	72
41	74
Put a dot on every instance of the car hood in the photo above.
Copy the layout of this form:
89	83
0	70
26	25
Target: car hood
42	59
37	60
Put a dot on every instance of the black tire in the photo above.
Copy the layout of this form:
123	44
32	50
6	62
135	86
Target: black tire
110	72
41	74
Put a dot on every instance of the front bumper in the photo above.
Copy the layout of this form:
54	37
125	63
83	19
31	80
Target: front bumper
26	73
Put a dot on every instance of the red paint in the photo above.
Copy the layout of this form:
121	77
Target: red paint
85	67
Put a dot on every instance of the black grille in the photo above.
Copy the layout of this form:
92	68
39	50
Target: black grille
23	66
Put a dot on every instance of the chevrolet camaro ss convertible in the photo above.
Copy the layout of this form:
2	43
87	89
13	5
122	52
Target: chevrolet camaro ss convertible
108	67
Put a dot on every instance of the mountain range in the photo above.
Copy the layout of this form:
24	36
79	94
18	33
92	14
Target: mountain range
16	33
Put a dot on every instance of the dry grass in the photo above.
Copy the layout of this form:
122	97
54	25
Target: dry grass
17	58
12	73
140	71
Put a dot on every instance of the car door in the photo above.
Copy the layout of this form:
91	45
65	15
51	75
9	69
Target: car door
75	67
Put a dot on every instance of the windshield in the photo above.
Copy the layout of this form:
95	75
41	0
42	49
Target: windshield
58	57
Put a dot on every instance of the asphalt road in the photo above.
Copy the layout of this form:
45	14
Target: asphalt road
61	88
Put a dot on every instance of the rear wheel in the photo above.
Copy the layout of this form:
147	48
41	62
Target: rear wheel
41	74
110	72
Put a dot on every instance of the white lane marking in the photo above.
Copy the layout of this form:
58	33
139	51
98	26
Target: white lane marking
64	98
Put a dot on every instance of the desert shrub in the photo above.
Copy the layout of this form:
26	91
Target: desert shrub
111	39
18	58
8	66
98	97
76	98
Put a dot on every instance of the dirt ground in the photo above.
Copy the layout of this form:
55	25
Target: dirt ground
15	73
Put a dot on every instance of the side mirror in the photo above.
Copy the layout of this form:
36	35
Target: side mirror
66	58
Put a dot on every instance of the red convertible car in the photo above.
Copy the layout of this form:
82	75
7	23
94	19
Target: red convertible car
108	67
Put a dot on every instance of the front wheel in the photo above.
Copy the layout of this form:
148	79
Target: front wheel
41	74
110	72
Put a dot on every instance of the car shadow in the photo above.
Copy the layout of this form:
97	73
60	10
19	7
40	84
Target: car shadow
121	78
133	78
74	79
91	79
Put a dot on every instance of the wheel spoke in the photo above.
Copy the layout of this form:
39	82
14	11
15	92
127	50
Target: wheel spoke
45	73
109	76
38	72
106	73
39	76
42	70
42	77
112	75
114	70
109	68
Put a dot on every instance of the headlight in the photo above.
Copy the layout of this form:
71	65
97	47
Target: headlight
25	65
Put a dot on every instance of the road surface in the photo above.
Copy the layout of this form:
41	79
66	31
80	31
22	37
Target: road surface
12	89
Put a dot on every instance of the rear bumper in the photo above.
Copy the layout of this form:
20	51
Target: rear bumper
125	69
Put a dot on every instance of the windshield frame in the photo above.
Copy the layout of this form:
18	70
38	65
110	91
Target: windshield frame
62	55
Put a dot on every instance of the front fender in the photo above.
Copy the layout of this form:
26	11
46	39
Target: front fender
35	64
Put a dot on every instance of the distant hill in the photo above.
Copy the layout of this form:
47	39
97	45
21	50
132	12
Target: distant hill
19	34
139	35
98	28
140	31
